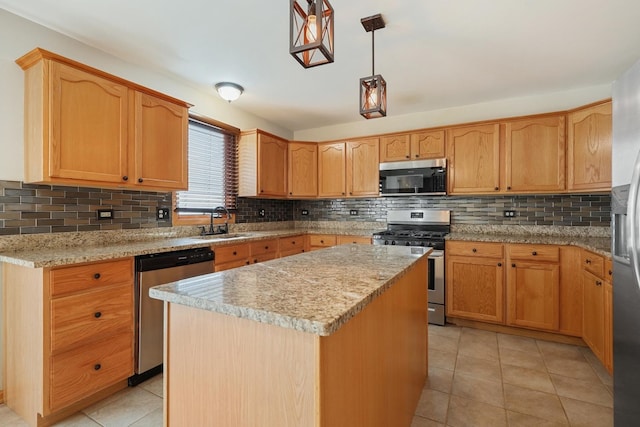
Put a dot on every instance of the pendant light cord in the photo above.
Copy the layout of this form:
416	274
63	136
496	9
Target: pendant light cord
373	53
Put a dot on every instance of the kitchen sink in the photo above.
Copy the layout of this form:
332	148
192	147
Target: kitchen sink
223	236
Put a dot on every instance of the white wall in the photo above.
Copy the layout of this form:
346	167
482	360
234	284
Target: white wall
503	108
18	36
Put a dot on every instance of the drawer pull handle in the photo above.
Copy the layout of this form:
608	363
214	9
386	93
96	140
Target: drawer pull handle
266	247
474	250
248	262
588	261
140	180
534	253
255	260
235	253
513	265
496	188
321	241
125	178
97	366
509	188
499	264
293	242
97	315
96	276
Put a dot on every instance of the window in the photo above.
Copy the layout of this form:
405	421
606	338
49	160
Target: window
213	169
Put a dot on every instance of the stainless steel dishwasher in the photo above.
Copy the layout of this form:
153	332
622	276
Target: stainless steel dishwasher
153	270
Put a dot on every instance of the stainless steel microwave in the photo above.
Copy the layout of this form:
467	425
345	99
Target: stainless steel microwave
413	178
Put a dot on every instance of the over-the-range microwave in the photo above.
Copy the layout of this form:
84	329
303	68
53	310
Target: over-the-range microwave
413	178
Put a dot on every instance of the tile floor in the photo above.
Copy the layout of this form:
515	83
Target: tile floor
476	378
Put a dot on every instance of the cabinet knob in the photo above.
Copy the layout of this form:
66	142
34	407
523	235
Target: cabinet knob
474	250
293	242
610	272
343	193
509	188
97	366
513	265
97	315
261	190
321	241
496	188
290	193
588	261
598	283
499	264
408	156
235	253
534	253
125	178
140	180
248	262
255	261
266	247
96	276
417	155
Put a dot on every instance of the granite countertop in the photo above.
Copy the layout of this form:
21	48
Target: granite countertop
314	292
600	245
93	249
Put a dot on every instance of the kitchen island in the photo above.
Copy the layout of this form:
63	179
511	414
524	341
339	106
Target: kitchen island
337	337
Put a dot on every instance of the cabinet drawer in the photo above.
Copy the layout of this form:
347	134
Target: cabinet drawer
263	257
264	247
85	370
231	253
593	263
89	276
91	315
534	252
322	240
479	249
354	239
289	244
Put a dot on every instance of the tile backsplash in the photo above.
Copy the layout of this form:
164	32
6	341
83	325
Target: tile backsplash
31	209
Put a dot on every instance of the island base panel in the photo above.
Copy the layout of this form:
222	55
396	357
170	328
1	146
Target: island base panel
231	371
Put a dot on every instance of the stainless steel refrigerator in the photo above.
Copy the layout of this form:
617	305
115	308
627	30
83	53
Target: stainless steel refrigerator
625	206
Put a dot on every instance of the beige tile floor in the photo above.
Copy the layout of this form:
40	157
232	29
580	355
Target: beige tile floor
476	378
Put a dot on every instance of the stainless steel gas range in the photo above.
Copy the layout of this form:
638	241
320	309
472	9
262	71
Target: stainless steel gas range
424	228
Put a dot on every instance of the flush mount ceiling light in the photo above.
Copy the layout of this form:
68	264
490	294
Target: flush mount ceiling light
311	32
229	91
373	89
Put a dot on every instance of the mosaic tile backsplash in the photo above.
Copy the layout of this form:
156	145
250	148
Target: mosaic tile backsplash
30	209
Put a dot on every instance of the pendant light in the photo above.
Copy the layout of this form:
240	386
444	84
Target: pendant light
311	32
373	89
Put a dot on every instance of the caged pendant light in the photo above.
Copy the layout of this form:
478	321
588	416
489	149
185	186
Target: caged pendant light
311	32
373	89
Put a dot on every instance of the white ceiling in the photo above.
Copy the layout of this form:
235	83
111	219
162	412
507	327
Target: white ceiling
433	53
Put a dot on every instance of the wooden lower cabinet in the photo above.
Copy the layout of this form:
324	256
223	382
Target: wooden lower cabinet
69	336
533	284
593	320
231	256
475	288
293	245
532	295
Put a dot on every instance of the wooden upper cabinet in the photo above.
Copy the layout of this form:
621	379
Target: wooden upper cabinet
474	159
86	127
415	146
303	169
589	148
534	154
262	160
428	145
394	148
363	168
160	143
332	180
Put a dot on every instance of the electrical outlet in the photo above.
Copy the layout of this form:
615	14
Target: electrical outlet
509	214
162	214
304	212
261	213
353	212
105	214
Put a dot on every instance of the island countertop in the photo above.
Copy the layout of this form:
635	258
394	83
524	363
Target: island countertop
314	292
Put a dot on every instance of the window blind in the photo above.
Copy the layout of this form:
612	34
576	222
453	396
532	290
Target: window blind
213	168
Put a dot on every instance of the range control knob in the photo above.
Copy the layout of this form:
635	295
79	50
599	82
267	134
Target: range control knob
407	244
386	242
393	242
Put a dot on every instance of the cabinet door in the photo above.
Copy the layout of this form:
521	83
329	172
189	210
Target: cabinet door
272	166
303	169
475	288
427	145
88	125
474	159
332	180
593	313
363	176
589	149
395	148
160	143
532	295
534	154
608	327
